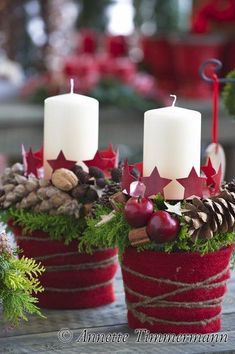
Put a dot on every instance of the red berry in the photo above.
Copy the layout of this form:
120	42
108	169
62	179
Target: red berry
162	227
138	211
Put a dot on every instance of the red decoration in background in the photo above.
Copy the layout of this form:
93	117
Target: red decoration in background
116	46
209	171
193	184
127	178
213	10
61	162
154	183
88	41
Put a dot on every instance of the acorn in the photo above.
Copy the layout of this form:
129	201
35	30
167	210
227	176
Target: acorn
96	172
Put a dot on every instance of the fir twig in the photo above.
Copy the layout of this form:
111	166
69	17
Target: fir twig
18	282
59	227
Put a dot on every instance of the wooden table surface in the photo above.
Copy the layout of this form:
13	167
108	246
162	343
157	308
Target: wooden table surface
61	331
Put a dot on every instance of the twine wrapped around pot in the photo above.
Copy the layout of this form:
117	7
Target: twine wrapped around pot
177	292
71	280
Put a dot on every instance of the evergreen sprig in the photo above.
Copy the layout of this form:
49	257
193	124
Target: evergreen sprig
59	227
112	234
115	234
18	282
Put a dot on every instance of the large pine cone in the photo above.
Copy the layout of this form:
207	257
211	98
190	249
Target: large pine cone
208	217
34	194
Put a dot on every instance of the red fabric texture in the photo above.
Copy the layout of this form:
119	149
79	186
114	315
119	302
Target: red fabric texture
69	279
180	267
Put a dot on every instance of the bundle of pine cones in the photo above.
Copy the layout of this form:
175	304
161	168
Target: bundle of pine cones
68	192
210	216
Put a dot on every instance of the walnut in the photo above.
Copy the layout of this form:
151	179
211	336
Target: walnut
64	179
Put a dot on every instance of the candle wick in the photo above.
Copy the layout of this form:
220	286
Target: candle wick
71	85
175	98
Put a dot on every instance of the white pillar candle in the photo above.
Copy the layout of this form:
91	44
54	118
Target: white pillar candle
71	124
172	143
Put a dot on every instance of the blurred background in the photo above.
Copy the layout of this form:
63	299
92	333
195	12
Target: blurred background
129	54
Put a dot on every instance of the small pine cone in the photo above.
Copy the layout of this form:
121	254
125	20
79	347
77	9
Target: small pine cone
5	246
96	172
116	174
108	191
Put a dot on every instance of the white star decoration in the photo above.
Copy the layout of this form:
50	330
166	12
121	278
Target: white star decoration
176	209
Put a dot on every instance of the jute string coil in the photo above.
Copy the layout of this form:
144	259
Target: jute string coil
161	300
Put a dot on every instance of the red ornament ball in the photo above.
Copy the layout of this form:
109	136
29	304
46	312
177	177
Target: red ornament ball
162	227
138	211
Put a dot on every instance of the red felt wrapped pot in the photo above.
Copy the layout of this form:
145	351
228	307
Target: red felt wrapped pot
71	280
175	292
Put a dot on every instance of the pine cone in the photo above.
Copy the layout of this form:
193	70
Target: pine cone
108	191
36	195
230	186
207	217
116	174
5	246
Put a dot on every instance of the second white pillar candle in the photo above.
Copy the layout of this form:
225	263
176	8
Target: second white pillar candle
71	124
172	143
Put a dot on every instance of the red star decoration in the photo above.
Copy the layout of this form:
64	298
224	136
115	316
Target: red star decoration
39	155
217	179
154	183
193	184
61	162
104	159
111	155
32	163
127	178
97	161
139	167
209	171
